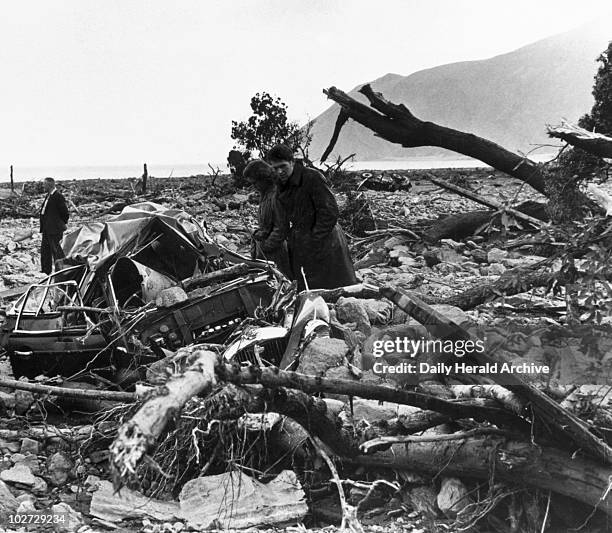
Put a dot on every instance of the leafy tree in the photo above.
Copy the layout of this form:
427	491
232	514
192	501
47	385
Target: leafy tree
267	126
599	120
600	117
587	257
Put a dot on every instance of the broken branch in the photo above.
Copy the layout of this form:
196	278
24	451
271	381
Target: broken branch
68	393
594	143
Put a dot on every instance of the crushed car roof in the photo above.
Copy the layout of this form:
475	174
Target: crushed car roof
95	242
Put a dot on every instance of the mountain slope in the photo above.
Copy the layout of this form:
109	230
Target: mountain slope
508	98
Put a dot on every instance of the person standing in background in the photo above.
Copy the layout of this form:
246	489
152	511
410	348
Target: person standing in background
53	220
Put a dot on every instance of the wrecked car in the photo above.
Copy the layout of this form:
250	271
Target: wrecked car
148	280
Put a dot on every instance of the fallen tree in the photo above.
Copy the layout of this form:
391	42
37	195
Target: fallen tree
518	462
397	124
475	454
488	429
146	426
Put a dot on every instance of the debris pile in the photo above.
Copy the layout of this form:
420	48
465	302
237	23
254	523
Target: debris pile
225	400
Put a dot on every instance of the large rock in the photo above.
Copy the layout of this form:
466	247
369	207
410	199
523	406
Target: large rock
496	255
9	446
71	520
29	446
114	507
8	502
30	461
234	500
59	468
40	487
496	269
453	496
379	311
322	354
354	311
26	507
19	474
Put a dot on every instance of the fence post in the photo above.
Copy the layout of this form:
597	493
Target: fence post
145	176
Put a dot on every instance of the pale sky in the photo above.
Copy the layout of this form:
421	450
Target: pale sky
107	82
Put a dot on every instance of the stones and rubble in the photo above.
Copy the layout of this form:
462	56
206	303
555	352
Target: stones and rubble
210	468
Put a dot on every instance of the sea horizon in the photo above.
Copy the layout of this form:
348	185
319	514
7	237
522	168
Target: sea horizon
83	172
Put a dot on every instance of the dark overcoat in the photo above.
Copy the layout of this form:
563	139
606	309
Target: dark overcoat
269	241
55	217
316	242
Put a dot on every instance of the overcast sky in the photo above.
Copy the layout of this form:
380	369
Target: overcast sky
119	81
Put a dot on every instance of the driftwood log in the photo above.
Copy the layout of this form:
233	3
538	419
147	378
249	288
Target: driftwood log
517	462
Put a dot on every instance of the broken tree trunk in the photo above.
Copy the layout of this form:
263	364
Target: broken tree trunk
272	377
548	409
360	290
141	432
314	414
136	436
594	143
92	394
511	282
470	454
484	201
462	225
397	124
514	461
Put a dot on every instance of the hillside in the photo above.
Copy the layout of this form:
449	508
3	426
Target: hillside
508	98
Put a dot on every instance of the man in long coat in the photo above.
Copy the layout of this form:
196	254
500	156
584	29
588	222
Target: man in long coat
318	250
53	220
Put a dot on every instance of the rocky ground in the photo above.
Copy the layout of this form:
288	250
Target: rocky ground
52	472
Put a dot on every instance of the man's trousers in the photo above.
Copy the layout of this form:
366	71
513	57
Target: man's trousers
50	251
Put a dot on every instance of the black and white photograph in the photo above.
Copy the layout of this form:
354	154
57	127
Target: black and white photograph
306	266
